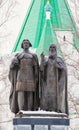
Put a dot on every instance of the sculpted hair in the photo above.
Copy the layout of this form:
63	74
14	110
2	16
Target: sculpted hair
27	41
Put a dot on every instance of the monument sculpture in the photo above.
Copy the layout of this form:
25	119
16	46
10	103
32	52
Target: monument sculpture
23	75
25	81
53	82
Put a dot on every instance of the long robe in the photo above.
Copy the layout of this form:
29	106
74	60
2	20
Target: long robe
53	86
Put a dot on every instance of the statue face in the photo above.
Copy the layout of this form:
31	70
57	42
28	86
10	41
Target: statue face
26	45
52	51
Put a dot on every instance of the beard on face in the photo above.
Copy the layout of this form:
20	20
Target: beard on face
52	54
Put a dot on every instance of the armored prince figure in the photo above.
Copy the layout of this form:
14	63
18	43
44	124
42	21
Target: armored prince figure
53	86
23	75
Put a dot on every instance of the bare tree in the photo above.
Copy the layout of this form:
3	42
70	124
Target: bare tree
6	14
72	60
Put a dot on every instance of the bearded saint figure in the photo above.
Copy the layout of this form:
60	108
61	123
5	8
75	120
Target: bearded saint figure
53	82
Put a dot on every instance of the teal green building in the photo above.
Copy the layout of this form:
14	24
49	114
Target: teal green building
41	29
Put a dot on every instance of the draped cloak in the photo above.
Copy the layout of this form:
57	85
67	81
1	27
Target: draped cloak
53	86
13	77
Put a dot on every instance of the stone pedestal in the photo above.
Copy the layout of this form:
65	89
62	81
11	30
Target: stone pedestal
40	123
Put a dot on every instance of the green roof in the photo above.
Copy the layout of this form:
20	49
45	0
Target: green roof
48	36
35	22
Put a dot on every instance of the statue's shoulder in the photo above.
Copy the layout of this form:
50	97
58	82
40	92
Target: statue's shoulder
34	56
15	57
19	55
60	59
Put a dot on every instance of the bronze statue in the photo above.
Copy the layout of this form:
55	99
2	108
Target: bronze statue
53	85
23	75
